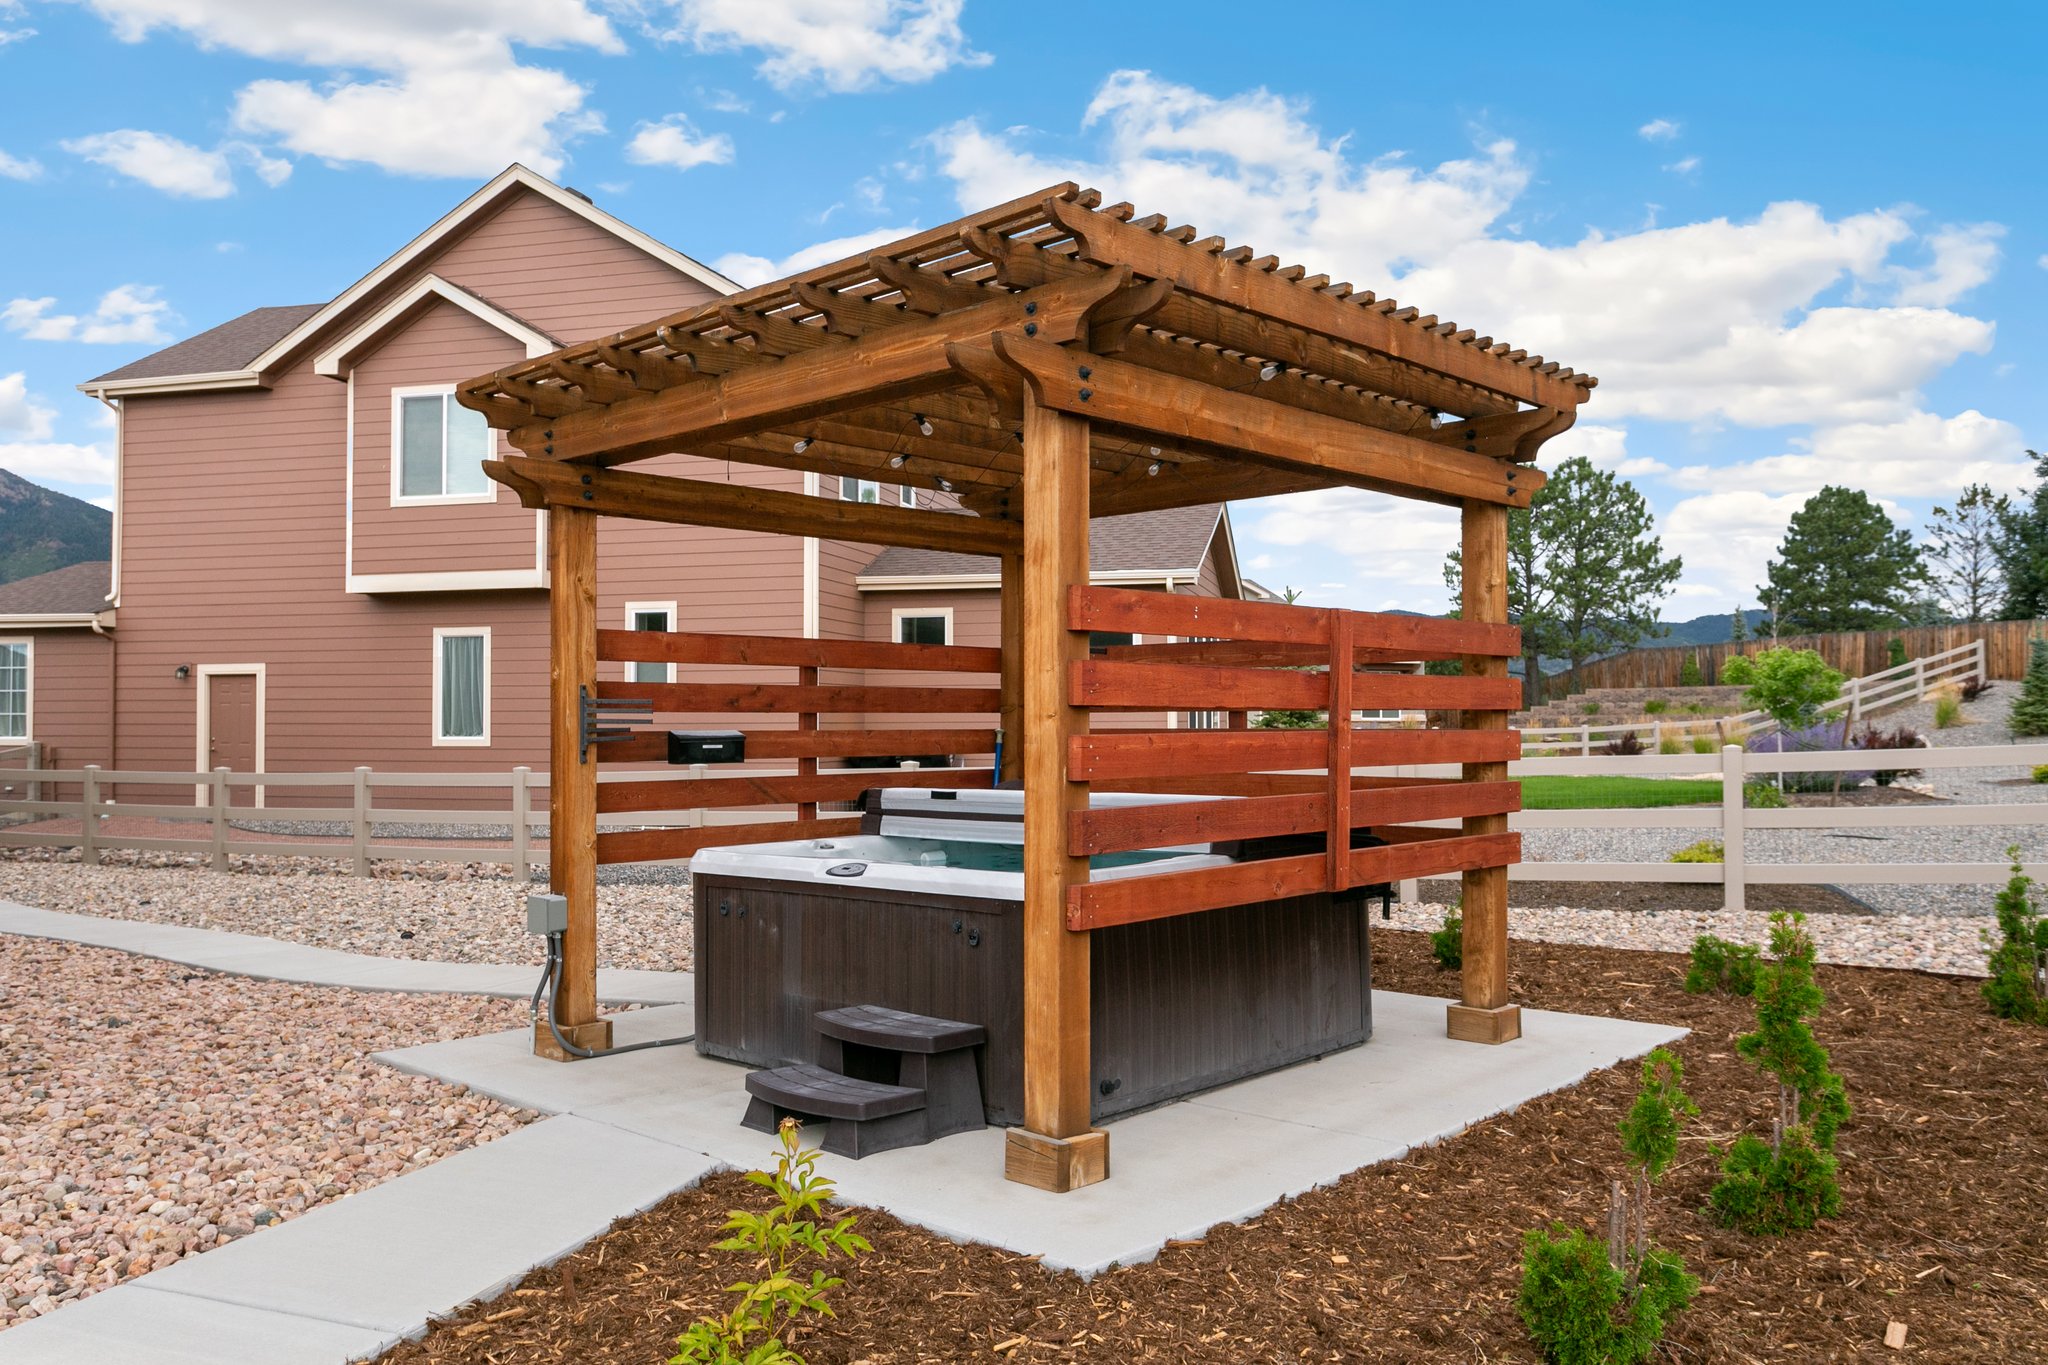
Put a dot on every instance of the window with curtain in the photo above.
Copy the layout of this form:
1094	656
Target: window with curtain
463	687
441	448
921	630
14	690
649	618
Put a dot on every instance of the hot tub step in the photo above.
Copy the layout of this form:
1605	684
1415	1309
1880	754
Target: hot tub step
875	1026
864	1116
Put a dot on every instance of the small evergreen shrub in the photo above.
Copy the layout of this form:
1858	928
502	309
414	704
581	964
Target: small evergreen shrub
2018	985
1705	851
1762	796
1447	945
1689	671
2041	772
1739	671
1790	1181
1721	966
1895	651
1592	708
2029	714
1656	707
787	1233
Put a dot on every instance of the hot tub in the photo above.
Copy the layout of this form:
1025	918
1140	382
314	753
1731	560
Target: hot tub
923	913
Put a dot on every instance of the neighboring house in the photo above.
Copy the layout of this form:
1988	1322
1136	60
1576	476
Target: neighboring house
311	571
56	673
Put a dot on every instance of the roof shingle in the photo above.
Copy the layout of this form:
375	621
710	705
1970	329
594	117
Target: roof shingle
1174	540
73	590
230	346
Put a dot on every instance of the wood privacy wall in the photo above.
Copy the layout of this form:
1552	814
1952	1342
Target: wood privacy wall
1855	653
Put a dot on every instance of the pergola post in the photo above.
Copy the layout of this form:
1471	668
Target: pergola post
1056	1149
1483	1014
1011	637
572	778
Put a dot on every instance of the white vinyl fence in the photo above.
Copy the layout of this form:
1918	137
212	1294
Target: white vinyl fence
1900	685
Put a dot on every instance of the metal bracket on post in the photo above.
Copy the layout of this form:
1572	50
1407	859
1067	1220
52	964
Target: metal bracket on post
599	713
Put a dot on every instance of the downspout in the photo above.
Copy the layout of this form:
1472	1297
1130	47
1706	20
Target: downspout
113	677
114	580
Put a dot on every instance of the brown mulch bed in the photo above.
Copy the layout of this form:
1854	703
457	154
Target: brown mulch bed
1866	796
1684	897
1945	1224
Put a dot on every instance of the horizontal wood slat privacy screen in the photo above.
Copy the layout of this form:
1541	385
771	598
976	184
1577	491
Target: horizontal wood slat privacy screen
1234	765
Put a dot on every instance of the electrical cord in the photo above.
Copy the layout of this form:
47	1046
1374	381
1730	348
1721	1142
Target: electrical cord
547	977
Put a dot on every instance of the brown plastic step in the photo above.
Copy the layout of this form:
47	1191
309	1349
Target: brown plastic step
894	1030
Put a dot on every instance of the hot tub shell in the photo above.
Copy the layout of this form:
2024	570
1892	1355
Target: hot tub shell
1179	1004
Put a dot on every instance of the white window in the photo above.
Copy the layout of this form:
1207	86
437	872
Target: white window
462	686
1208	720
921	625
438	448
17	657
859	490
650	616
906	496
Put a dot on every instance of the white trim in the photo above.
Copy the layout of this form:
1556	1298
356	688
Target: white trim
203	727
332	361
454	580
58	620
444	227
446	393
1230	546
940	582
442	741
669	670
28	688
906	495
348	487
896	615
812	610
860	486
120	481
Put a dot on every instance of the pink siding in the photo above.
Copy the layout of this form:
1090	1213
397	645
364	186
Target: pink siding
70	686
442	345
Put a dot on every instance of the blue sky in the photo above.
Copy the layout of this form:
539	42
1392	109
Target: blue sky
1799	244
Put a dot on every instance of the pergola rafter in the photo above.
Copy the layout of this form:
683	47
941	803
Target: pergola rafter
1040	363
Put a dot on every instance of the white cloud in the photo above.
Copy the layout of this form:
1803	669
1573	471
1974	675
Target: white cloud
673	142
1726	539
1921	455
159	161
127	314
1606	447
19	167
452	98
1659	130
841	45
15	35
1395	547
1964	257
1687	166
58	461
20	414
726	102
747	269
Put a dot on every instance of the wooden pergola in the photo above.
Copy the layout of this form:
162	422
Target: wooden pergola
1043	362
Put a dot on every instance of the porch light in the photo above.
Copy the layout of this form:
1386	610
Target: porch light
182	672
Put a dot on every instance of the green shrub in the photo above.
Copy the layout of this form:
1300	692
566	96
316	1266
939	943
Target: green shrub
2018	986
2041	772
1705	851
1592	708
1670	744
1588	1304
1790	1181
786	1234
1721	966
1790	685
1447	945
1698	708
1762	796
1689	671
1656	707
2029	714
1739	671
1948	707
1895	652
1703	744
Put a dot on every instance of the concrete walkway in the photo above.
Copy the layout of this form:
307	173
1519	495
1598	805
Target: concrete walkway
272	960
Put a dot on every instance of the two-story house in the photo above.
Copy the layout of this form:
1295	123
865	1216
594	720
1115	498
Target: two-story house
361	594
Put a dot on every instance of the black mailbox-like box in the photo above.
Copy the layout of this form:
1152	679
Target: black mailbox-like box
707	746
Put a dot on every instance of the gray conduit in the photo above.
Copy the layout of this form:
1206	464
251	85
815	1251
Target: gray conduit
547	978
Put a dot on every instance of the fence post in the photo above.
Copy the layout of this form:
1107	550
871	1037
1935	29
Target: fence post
522	828
219	813
1585	741
1983	666
359	834
1732	817
1919	678
89	805
35	762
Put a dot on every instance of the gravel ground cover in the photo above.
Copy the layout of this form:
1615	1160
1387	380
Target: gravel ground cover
1418	1260
443	912
149	1111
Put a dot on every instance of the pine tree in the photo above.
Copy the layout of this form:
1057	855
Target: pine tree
2023	550
1738	627
1843	565
2029	714
1962	553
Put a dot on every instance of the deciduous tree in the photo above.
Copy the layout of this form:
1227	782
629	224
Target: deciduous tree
1962	553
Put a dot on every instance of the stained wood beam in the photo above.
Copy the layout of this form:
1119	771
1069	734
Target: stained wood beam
698	502
1252	428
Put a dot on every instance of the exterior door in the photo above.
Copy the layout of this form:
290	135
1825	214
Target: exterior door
231	728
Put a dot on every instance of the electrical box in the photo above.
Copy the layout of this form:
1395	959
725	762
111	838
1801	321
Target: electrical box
547	913
707	746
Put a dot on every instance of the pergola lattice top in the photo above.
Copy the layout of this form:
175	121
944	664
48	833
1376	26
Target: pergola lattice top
909	365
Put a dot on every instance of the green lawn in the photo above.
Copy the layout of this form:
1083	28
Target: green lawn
1615	793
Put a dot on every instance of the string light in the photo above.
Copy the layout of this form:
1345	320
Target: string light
945	484
924	425
1152	470
803	443
1268	370
895	462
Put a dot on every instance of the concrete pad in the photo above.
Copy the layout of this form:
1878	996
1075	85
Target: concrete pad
395	1256
273	960
1222	1156
136	1323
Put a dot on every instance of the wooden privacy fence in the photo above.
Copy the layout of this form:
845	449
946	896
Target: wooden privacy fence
1248	656
1732	821
1856	653
806	700
1859	698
